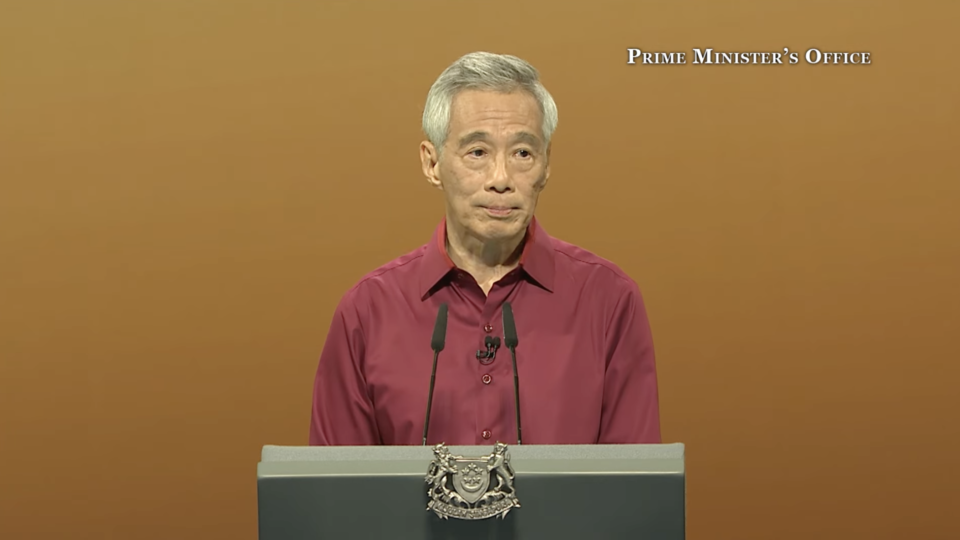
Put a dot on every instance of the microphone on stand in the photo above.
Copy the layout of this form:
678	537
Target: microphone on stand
510	341
436	343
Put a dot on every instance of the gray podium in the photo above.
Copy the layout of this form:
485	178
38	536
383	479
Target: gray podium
602	492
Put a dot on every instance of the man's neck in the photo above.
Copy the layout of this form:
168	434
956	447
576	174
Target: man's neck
488	261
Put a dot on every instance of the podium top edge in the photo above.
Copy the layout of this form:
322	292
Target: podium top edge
669	451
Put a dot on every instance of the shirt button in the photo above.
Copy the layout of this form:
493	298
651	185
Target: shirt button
488	328
486	434
487	379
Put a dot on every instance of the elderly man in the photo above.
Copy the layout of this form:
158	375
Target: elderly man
585	358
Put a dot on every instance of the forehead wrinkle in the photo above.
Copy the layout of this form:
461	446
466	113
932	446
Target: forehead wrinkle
502	111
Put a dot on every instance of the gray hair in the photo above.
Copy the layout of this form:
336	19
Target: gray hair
484	71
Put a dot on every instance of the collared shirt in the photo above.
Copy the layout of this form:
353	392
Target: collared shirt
585	357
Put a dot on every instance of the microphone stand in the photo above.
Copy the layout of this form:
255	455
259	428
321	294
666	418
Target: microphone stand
511	341
433	377
436	343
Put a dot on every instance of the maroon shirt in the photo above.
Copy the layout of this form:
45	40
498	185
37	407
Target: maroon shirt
585	356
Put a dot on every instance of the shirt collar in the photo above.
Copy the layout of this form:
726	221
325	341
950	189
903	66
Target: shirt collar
536	260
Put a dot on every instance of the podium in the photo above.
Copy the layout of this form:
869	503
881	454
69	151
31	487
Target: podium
605	492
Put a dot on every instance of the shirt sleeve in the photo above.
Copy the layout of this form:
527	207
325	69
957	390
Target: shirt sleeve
342	412
631	410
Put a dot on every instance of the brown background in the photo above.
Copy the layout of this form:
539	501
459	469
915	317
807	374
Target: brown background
189	186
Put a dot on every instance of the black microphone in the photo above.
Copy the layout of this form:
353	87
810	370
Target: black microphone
436	343
492	344
511	341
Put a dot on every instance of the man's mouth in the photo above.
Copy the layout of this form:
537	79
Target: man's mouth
498	210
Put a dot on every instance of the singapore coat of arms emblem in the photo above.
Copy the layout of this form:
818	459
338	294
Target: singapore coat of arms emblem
471	488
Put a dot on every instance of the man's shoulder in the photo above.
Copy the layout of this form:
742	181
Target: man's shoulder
584	264
396	275
402	267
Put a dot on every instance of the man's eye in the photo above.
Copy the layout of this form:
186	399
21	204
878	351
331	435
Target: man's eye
524	153
476	153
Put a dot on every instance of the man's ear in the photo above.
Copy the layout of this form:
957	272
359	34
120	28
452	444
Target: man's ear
546	171
430	163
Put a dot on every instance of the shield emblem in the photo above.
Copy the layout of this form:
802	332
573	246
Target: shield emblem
463	487
471	479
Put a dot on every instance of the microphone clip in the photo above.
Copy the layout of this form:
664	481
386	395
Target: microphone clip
487	356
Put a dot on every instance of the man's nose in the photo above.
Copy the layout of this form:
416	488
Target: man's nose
500	177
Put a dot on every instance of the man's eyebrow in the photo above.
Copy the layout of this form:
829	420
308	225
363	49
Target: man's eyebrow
473	137
526	137
521	137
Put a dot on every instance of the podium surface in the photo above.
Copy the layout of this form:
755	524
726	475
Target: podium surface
604	492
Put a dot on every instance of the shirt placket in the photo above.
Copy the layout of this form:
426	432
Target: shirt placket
493	372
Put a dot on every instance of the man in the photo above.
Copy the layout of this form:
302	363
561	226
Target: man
585	357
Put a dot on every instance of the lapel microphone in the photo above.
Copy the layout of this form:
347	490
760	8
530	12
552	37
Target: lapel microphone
487	356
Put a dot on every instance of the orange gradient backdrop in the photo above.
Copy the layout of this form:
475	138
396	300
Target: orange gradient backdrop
187	188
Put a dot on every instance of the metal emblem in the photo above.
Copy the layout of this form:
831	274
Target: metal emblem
471	487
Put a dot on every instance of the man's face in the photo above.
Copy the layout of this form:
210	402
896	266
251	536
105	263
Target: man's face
494	163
